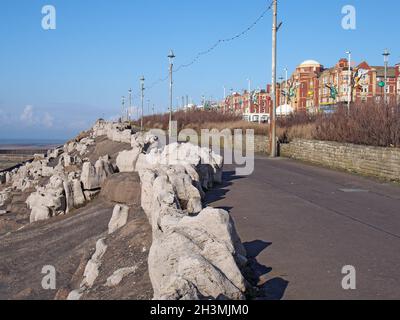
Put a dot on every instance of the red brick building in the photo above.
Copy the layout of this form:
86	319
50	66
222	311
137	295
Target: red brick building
391	85
365	83
334	80
256	102
398	82
312	88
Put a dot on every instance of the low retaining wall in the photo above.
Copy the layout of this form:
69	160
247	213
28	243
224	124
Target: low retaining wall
261	143
370	161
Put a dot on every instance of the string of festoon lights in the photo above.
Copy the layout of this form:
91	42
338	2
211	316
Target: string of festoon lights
213	47
203	53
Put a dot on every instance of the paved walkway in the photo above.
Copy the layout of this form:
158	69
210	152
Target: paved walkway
302	224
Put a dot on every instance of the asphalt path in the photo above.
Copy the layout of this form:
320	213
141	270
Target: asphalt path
302	224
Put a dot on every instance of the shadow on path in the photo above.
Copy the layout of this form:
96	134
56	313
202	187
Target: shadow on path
272	289
219	192
256	273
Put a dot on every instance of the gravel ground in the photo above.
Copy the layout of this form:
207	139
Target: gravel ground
67	243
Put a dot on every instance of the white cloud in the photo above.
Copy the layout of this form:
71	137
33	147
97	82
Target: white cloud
27	115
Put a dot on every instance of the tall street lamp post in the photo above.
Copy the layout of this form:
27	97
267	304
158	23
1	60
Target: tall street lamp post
349	93
286	86
386	55
171	58
123	108
142	79
280	96
128	113
249	93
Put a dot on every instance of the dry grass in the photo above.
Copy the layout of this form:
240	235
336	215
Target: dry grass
365	124
300	131
189	117
259	129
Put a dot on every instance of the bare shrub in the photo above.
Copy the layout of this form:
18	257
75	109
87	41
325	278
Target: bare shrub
203	119
366	124
189	118
298	125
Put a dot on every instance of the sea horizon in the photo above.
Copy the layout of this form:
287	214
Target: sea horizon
17	143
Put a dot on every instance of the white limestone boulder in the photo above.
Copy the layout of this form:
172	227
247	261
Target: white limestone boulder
219	227
46	170
188	195
126	160
208	165
82	149
147	178
92	177
4	196
119	218
75	197
67	160
2	178
48	201
70	147
148	161
89	177
178	267
121	136
87	141
92	268
145	140
8	177
103	168
39	213
100	128
75	295
116	278
53	154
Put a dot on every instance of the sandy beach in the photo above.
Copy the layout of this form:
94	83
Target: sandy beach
14	153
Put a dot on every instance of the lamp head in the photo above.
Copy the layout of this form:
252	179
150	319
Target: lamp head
386	53
171	56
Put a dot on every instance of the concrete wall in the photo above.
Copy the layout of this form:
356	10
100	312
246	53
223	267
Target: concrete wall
370	161
261	143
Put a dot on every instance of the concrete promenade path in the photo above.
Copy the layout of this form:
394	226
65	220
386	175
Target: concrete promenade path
302	224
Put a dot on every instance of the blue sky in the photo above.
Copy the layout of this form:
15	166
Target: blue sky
55	83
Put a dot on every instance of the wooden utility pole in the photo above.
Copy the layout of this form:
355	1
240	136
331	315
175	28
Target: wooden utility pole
273	143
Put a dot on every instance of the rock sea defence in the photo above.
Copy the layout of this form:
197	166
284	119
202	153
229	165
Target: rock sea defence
196	252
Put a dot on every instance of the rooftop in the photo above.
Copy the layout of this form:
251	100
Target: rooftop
310	63
380	71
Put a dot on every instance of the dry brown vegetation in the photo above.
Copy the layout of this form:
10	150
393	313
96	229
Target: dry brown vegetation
197	118
366	124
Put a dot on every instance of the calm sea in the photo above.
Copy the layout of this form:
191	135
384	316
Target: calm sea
29	143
